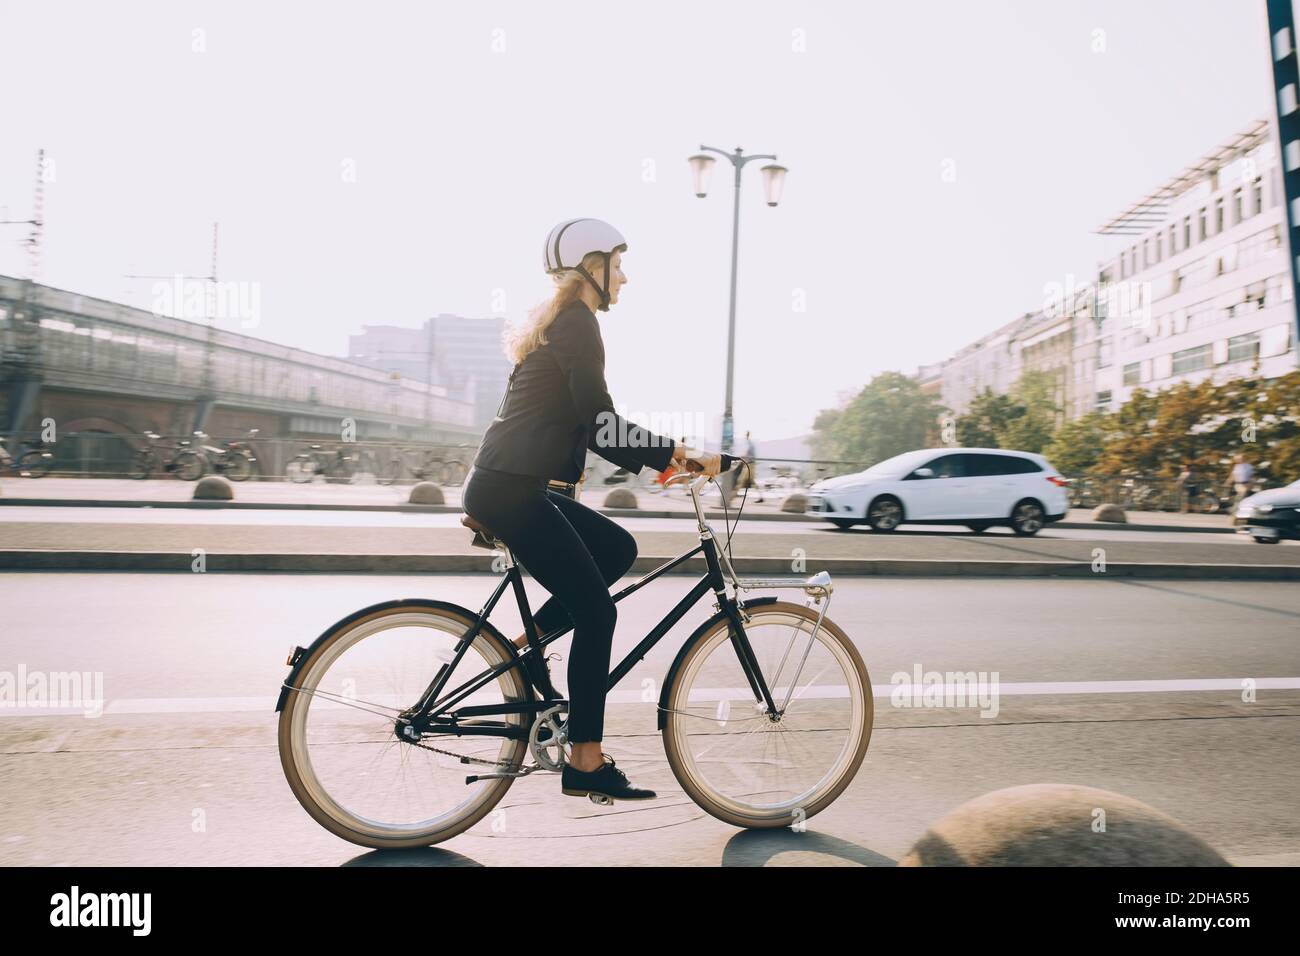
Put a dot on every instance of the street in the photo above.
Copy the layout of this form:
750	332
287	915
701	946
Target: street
182	766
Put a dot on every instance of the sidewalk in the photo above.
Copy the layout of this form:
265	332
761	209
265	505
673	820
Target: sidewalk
164	493
243	544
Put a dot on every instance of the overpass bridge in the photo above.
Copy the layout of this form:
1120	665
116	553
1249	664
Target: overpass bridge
97	367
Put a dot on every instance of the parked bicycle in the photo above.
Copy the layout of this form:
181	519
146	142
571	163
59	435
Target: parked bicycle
335	467
34	460
419	464
766	711
179	459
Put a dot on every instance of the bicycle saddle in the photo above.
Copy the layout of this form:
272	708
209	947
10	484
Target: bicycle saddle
484	537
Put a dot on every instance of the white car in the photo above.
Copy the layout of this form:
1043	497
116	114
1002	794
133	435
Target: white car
975	487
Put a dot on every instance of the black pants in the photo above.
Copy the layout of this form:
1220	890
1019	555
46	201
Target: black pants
574	552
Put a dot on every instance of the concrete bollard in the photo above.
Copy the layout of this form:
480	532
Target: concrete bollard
1051	824
1110	512
621	498
213	488
426	493
797	503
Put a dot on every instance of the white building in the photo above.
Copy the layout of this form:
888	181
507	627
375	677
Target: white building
1204	290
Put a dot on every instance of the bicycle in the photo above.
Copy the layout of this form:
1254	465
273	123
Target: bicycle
36	461
184	462
336	468
374	748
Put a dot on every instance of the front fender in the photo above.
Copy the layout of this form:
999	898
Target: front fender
687	644
300	654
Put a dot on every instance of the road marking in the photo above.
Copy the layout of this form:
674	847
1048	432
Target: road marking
227	705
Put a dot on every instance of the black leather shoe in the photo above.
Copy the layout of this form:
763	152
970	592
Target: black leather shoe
608	781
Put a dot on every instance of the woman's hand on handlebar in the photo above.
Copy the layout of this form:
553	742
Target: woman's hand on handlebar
691	459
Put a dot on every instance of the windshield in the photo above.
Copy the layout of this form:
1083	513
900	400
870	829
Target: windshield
899	465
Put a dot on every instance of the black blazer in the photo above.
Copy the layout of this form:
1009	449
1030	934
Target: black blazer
557	406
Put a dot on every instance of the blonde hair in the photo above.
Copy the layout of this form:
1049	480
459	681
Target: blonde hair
519	341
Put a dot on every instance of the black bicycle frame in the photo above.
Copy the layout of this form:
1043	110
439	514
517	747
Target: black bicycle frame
432	710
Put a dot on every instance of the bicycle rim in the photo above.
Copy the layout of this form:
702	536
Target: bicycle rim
745	768
338	745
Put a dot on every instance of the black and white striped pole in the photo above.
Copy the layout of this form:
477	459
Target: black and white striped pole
1286	113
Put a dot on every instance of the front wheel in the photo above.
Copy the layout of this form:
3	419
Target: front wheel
756	769
885	513
342	739
236	466
190	466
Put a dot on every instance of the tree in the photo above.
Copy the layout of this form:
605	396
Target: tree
889	416
1078	444
1024	419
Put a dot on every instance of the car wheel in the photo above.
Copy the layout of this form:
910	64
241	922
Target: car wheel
1261	539
844	524
885	514
1027	518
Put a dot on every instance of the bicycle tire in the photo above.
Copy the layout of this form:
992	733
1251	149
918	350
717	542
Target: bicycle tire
301	469
693	783
292	731
35	464
236	466
190	466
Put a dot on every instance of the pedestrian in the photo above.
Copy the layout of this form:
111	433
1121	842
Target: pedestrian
1243	473
1186	484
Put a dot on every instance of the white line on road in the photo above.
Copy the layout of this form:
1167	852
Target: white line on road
201	705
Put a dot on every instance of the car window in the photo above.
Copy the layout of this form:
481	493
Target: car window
948	466
988	465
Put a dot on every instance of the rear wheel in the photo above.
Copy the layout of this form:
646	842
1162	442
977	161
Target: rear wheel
189	466
339	739
746	766
1027	518
35	464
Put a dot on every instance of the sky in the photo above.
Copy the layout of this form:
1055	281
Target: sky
383	162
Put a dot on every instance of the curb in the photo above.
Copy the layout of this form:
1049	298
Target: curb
13	560
612	512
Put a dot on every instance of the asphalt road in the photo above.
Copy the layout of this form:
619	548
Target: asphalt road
182	766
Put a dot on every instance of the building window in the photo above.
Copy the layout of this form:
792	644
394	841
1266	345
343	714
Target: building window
1187	231
1191	360
1160	246
1133	373
1257	204
1218	215
1173	239
1238	213
1201	225
1103	400
1242	348
1103	353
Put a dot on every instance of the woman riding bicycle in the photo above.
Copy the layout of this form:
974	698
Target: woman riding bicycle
555	409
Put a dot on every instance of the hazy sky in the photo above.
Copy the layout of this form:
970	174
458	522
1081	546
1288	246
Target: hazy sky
382	162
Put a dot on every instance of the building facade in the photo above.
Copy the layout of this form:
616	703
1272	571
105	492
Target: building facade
1201	290
463	355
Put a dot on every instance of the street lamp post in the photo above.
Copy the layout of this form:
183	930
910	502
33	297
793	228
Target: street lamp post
773	182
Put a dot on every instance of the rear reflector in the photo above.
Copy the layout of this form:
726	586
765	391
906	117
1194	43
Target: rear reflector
1057	480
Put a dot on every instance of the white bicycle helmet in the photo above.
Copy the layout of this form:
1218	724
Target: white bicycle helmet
571	240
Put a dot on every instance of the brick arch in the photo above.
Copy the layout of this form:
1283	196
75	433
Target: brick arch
94	424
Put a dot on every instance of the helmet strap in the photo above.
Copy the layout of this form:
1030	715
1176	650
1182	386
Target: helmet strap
603	293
